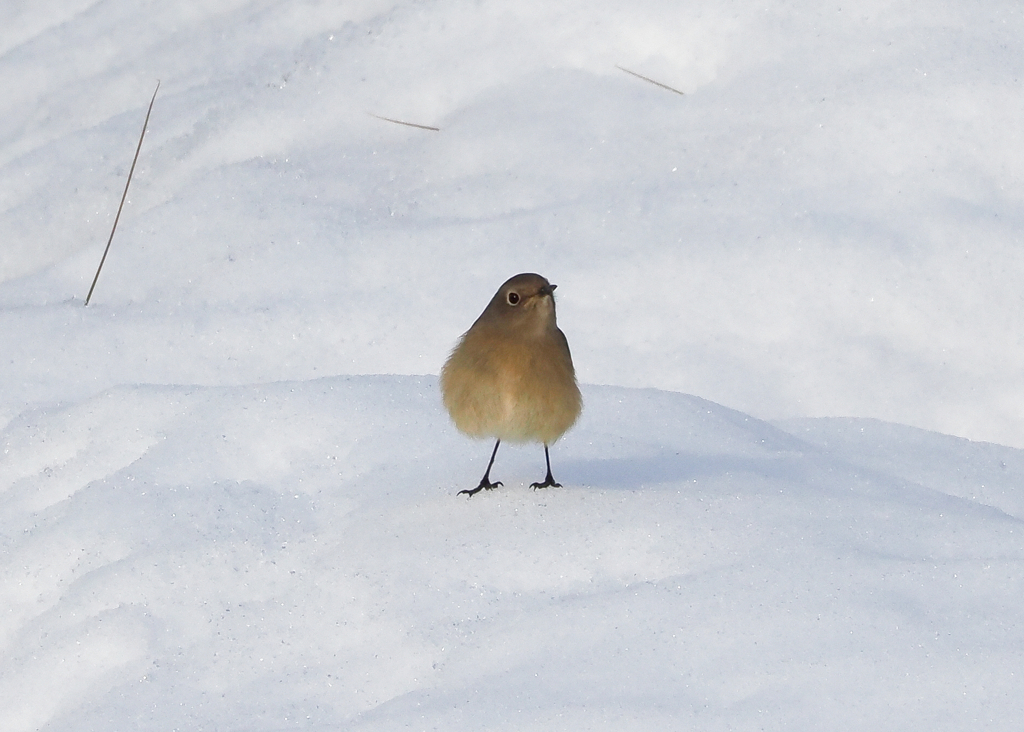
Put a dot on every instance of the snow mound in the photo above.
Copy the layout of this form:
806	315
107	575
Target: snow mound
293	555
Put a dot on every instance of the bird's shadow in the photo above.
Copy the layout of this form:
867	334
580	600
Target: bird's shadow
626	473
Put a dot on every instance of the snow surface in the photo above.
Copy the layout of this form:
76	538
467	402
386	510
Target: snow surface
227	492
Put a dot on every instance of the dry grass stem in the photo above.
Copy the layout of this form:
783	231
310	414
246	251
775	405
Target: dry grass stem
123	195
652	81
407	124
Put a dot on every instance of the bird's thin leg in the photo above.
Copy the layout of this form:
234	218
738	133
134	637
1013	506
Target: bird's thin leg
549	481
485	482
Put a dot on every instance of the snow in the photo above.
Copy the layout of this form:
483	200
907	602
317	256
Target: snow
227	486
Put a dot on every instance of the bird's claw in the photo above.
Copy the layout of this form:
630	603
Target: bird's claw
548	483
484	485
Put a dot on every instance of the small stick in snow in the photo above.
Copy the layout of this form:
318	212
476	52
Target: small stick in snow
652	81
407	124
124	195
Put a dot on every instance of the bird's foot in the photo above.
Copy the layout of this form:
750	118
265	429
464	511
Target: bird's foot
549	482
484	485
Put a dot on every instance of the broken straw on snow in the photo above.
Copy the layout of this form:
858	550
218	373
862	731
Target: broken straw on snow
652	81
124	195
407	124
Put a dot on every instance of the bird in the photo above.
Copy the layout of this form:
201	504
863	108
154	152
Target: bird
511	376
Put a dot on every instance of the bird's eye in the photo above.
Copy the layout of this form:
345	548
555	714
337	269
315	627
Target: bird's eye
513	298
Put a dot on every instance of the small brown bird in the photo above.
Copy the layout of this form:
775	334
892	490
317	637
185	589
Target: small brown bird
510	376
